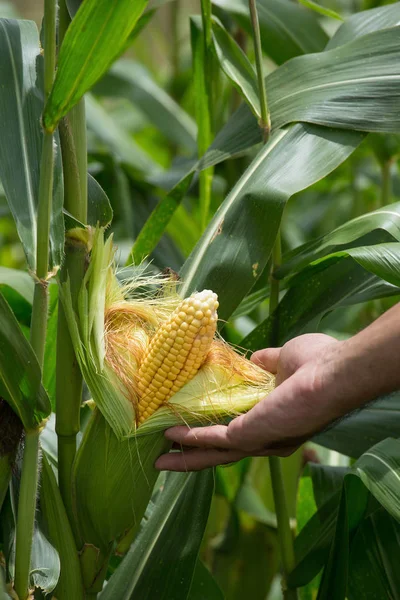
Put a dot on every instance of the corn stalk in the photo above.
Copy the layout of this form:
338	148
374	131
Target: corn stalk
31	458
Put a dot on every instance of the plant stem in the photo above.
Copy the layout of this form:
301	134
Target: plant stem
386	185
68	376
26	513
203	75
30	464
264	122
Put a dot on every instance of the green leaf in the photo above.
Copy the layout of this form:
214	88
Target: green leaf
313	293
373	569
365	22
236	66
287	29
55	518
319	88
386	219
20	383
383	260
204	586
356	434
94	39
21	105
129	79
17	288
326	12
237	243
158	564
45	563
122	146
99	206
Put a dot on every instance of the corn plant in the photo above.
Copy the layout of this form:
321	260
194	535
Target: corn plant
151	222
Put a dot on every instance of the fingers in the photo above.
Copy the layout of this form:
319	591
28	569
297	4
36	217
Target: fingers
197	459
267	359
215	436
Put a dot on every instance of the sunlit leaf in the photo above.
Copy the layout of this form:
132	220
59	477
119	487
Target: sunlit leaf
94	39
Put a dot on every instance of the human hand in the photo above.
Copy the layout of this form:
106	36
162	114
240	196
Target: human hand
304	402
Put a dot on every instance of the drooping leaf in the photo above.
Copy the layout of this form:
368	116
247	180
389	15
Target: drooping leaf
236	66
129	79
319	88
313	293
357	433
237	243
344	237
157	565
287	29
21	105
95	37
20	376
382	259
365	22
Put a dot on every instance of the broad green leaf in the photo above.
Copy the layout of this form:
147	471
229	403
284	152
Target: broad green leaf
326	12
378	469
204	586
69	583
292	160
316	291
20	376
123	147
287	29
319	88
236	66
365	22
160	564
129	79
21	105
373	571
357	433
383	260
344	237
95	37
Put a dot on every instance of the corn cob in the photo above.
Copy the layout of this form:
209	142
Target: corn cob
177	351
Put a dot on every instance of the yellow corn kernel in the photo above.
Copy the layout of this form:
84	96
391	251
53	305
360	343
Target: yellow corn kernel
182	343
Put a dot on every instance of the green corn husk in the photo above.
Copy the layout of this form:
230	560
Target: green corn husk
114	474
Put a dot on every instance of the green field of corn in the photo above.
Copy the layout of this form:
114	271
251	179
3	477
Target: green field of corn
183	183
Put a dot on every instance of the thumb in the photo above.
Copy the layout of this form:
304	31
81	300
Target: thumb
267	359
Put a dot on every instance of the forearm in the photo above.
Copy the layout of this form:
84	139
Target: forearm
368	364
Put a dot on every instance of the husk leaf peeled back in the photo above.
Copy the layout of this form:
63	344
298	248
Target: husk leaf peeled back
111	332
114	474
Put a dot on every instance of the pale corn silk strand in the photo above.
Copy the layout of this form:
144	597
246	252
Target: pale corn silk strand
156	343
